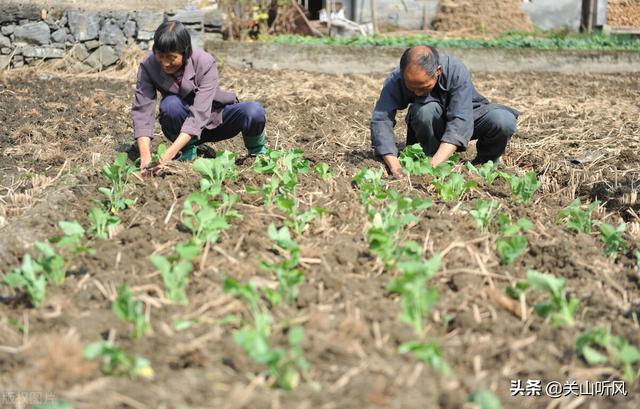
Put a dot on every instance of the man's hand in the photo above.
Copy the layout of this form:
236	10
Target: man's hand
394	165
144	147
443	153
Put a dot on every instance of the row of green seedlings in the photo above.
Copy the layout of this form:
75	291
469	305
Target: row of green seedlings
284	168
114	361
578	219
285	367
451	186
512	241
205	215
390	213
560	309
104	221
55	257
596	345
104	217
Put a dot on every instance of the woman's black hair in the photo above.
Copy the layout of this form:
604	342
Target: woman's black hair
172	37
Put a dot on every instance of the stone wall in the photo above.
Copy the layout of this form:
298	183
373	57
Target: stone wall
30	33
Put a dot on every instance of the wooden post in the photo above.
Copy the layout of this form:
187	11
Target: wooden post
373	17
588	8
425	17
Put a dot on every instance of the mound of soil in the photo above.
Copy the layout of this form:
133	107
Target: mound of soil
482	17
624	13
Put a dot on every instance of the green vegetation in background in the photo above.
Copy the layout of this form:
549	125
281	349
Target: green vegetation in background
537	40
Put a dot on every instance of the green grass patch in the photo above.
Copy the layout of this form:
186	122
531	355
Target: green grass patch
515	40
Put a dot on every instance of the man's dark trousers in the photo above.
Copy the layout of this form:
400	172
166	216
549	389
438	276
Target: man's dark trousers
427	123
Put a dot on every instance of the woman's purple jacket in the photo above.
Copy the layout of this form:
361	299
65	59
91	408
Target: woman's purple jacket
199	89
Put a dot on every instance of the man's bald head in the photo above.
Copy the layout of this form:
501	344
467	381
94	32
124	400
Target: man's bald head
420	69
423	57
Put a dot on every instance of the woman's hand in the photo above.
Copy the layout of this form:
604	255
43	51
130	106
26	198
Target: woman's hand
181	141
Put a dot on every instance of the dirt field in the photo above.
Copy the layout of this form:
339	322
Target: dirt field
56	132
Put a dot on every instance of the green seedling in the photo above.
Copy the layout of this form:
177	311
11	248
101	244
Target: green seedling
289	276
417	299
598	346
429	353
383	235
297	221
483	213
29	277
389	222
322	169
129	309
247	292
511	243
487	171
508	228
118	174
523	188
283	366
636	253
159	153
102	223
414	161
445	169
510	248
612	238
270	189
559	309
278	162
116	362
284	166
484	399
517	291
215	171
72	234
453	186
577	219
175	270
54	265
205	219
288	367
369	181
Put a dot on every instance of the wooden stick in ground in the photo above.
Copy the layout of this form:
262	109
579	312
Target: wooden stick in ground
505	302
373	17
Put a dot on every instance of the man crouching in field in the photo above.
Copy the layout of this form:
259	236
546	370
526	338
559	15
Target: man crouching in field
445	111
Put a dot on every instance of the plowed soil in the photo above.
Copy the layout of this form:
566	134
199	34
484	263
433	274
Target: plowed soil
579	133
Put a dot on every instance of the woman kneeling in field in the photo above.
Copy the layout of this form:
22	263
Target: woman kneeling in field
193	109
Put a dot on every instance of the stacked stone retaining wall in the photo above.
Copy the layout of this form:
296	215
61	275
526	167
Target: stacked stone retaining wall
30	34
